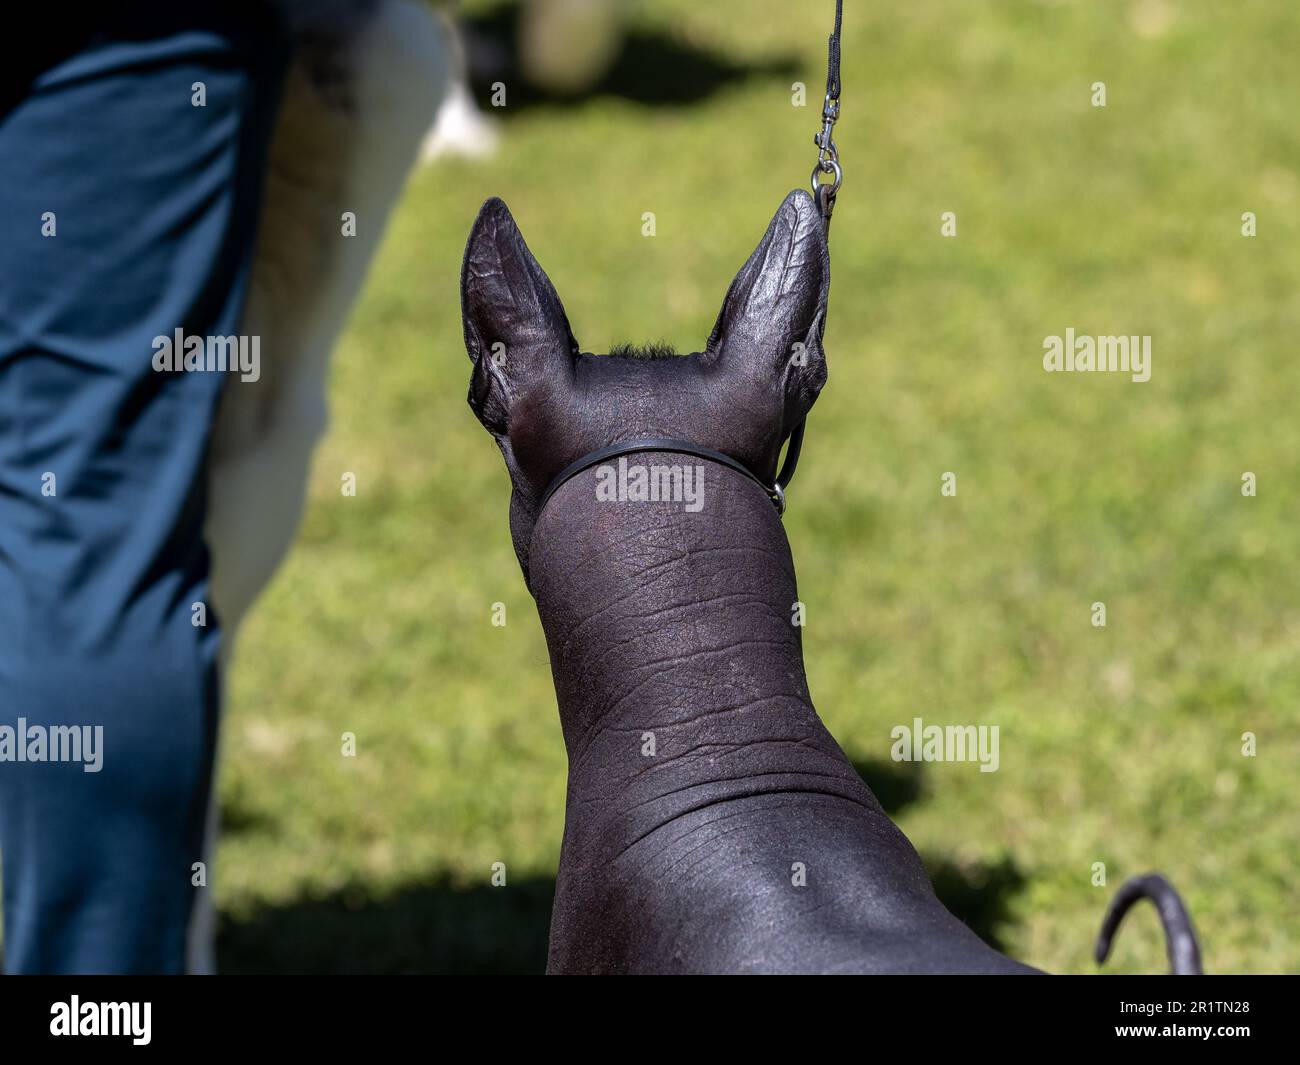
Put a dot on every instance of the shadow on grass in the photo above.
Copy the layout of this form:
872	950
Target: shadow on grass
979	895
435	928
896	784
652	68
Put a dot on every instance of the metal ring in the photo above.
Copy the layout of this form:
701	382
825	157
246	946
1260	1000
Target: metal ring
827	166
778	497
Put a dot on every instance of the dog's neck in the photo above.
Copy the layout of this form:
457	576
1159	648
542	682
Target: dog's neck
659	618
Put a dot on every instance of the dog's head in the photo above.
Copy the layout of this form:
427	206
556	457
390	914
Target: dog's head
547	403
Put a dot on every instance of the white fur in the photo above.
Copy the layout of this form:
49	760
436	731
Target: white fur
460	129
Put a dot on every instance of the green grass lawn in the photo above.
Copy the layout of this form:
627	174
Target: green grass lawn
1119	745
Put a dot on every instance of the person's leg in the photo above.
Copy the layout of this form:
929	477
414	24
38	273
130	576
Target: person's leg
129	213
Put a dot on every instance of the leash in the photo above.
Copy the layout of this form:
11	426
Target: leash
828	156
824	193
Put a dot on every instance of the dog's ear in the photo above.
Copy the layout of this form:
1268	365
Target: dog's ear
772	320
516	332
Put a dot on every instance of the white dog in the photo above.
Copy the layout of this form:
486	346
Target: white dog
366	81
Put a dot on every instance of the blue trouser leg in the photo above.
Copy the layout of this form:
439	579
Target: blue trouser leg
128	212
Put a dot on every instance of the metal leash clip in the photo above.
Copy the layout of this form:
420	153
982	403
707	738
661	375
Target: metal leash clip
828	156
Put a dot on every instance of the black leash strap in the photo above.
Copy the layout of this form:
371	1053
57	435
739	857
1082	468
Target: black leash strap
833	57
828	162
828	156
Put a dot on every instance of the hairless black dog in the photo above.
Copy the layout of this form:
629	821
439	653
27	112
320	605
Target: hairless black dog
713	824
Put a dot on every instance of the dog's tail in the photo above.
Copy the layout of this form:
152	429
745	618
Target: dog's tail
1180	936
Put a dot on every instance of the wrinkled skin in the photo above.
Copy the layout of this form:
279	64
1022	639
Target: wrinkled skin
674	628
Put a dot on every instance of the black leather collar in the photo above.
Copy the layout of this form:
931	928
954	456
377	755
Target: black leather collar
774	491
